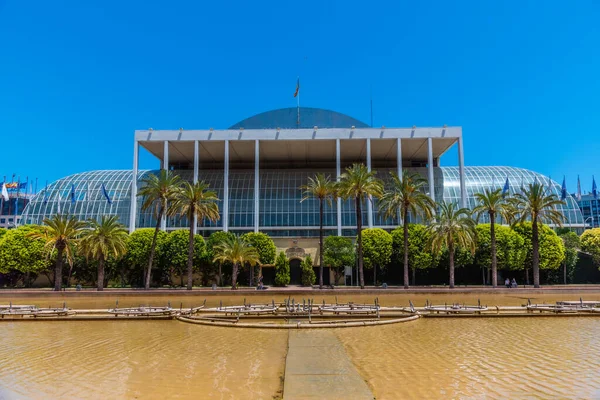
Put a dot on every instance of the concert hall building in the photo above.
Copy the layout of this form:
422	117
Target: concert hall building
258	164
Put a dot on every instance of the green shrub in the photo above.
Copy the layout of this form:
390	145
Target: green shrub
264	246
282	270
590	243
338	253
552	249
308	273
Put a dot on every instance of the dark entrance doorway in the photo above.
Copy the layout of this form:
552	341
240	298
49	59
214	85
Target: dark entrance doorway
295	272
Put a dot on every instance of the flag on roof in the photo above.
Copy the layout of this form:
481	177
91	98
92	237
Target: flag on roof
578	189
105	193
505	188
594	188
297	88
563	190
4	192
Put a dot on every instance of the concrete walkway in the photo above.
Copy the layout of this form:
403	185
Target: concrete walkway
317	367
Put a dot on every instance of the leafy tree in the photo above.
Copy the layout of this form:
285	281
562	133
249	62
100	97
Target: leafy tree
195	200
175	254
359	184
139	247
2	232
18	252
419	251
104	239
492	203
214	239
61	233
406	195
158	191
308	273
572	244
377	247
452	229
551	251
238	252
590	243
462	257
282	270
510	251
264	246
322	188
338	254
539	206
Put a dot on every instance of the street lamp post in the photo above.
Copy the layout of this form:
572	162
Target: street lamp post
585	222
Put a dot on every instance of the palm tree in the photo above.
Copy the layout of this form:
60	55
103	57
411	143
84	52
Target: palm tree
453	227
236	251
493	203
158	191
195	200
536	204
61	233
359	183
322	188
405	195
104	239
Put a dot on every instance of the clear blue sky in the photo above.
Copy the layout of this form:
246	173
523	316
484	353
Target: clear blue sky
78	77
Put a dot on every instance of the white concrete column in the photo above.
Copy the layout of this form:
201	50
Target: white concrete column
196	167
430	168
399	170
370	199
226	189
133	206
256	184
399	158
338	172
461	173
163	221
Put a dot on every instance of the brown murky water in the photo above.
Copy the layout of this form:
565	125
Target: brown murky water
425	359
512	358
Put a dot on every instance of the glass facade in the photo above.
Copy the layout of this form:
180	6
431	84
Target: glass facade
281	213
590	209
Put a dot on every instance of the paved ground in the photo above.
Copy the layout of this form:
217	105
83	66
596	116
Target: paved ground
317	367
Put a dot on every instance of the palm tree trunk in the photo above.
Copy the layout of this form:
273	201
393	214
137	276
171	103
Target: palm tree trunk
100	282
190	260
58	269
220	276
493	244
251	274
320	243
535	257
405	229
153	249
414	276
234	274
374	275
361	276
451	254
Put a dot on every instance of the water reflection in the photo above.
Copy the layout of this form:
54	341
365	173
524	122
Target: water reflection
480	358
430	358
145	359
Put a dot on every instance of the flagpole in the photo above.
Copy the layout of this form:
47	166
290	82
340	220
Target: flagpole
298	104
17	201
2	199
